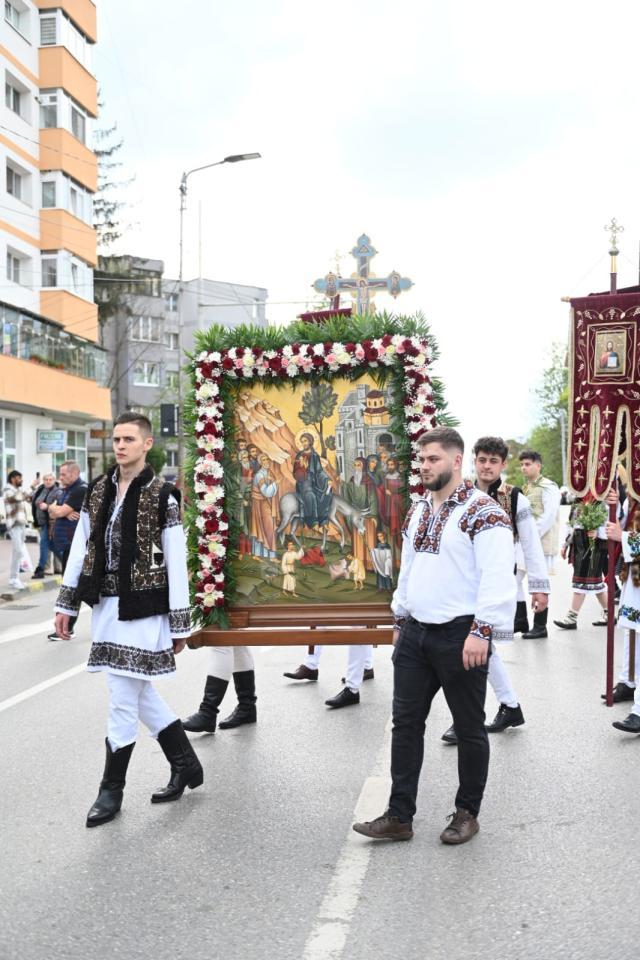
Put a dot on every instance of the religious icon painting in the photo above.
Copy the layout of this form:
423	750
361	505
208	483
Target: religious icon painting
321	492
304	462
610	353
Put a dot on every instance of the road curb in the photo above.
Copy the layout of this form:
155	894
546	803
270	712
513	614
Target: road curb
32	586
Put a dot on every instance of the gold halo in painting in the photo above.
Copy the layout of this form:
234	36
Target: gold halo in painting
314	433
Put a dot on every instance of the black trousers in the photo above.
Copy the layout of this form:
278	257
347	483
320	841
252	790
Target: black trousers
427	657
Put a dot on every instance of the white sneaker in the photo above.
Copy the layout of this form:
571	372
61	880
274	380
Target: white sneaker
17	584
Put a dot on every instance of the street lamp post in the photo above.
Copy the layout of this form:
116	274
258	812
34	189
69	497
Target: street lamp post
234	158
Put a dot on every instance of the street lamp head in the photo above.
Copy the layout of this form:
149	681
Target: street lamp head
237	157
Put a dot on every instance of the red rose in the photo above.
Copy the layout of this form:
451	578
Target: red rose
210	428
275	363
295	347
206	370
256	351
211	526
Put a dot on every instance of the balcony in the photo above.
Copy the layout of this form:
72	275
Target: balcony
82	12
27	337
58	68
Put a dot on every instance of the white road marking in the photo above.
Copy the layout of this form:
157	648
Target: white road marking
21	632
39	687
331	928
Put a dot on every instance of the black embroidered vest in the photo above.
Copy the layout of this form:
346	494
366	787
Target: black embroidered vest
143	588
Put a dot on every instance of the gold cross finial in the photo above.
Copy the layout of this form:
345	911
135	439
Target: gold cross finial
614	229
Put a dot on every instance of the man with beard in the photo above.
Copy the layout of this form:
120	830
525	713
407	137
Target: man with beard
456	593
312	485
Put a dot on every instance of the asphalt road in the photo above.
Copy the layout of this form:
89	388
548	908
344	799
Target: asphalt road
261	861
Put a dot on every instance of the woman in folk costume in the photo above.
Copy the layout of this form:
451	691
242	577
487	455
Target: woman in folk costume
587	552
128	562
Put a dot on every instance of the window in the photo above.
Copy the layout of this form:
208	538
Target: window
48	32
146	374
48	110
12	15
13	267
172	458
75	279
49	193
78	124
145	328
12	97
172	379
171	299
7	446
14	183
74	200
49	272
76	450
171	341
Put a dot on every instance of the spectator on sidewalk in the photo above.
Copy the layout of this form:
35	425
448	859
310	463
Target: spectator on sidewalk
66	513
45	495
15	501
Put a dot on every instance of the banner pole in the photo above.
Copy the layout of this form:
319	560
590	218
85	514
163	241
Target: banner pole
611	591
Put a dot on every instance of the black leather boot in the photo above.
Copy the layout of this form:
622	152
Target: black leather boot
204	719
245	712
109	799
521	623
539	631
186	769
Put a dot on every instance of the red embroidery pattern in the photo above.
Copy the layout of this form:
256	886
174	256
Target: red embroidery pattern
407	519
431	527
481	629
483	514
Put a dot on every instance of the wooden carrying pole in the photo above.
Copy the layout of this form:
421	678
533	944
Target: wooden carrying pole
611	570
611	592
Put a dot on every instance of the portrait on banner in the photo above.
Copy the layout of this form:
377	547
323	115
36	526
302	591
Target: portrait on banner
610	353
320	492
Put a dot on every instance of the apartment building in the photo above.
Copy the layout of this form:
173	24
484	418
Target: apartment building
139	318
53	371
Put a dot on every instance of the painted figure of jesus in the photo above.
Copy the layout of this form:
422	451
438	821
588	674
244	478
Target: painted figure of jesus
312	485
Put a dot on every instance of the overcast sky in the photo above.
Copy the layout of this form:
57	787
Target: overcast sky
482	146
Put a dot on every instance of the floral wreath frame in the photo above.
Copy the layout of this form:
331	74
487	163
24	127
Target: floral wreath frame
408	357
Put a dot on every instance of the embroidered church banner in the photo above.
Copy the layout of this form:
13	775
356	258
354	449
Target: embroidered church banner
604	391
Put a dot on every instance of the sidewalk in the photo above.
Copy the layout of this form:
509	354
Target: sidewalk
32	586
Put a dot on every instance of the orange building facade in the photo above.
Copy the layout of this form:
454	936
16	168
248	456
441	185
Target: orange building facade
53	372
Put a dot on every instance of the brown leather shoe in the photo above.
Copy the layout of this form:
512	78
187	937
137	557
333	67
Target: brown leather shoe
463	827
385	827
302	673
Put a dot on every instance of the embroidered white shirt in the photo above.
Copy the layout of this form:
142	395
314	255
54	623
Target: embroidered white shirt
458	562
529	552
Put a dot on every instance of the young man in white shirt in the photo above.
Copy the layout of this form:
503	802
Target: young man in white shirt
456	593
490	461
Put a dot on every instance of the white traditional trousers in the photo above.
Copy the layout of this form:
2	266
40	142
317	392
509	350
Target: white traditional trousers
131	701
623	676
17	534
499	680
224	661
359	659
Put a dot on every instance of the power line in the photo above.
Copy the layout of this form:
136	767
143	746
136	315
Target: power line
38	143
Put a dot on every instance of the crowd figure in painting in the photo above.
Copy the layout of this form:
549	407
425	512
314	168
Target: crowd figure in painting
456	569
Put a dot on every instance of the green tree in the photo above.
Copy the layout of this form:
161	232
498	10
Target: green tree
552	395
318	403
156	458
